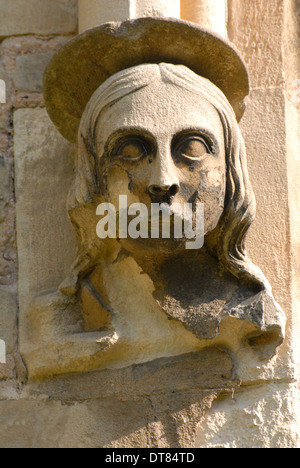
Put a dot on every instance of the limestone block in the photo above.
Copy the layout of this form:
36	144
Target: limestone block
37	17
9	390
211	15
252	417
43	171
209	368
256	28
292	77
7	371
92	13
156	404
89	424
257	417
7	219
266	147
29	71
8	318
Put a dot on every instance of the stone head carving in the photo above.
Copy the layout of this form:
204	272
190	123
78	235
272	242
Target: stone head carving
161	133
163	130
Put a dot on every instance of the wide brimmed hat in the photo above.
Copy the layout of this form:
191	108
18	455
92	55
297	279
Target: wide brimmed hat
85	62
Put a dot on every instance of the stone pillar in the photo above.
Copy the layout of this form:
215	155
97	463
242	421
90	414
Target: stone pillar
292	117
207	13
267	35
92	13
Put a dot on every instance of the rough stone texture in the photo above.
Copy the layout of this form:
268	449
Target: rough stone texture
42	17
7	371
249	28
42	226
8	318
29	71
3	98
157	404
258	417
22	67
292	88
208	369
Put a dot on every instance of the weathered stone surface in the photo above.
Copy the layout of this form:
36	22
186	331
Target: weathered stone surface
37	17
259	417
292	66
3	98
157	404
266	145
169	288
7	370
5	174
249	28
256	417
29	71
9	390
45	238
207	369
8	317
90	424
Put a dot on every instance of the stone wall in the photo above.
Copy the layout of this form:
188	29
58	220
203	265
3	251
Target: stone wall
34	180
29	37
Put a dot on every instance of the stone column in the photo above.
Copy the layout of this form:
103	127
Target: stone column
267	35
207	13
92	13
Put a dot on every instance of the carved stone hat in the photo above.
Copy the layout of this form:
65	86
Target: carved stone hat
85	62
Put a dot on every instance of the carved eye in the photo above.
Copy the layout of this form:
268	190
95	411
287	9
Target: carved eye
192	147
132	148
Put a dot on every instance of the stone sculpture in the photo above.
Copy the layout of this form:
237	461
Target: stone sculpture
158	123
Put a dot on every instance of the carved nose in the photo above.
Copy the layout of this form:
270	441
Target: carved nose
163	190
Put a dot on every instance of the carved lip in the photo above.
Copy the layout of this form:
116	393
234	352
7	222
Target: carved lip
86	61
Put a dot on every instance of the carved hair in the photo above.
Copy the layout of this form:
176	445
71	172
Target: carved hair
227	241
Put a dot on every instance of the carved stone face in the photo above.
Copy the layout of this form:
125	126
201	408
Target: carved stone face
163	143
